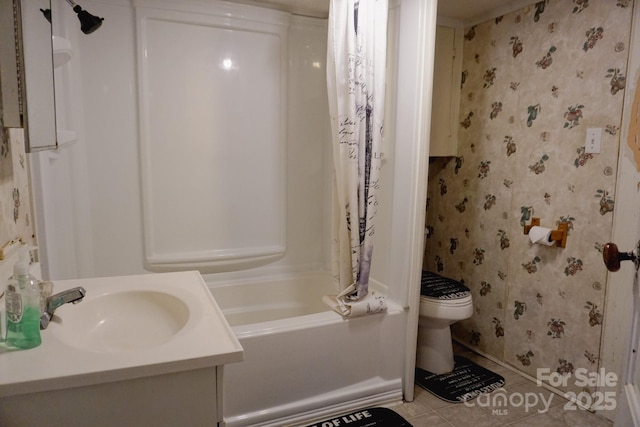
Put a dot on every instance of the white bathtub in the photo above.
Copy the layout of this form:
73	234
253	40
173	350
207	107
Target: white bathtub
303	361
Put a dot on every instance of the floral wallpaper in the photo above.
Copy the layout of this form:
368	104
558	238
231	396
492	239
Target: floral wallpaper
533	82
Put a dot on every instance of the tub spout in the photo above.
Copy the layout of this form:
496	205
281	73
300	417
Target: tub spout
74	296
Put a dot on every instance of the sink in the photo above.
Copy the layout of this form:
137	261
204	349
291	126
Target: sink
130	353
125	328
121	321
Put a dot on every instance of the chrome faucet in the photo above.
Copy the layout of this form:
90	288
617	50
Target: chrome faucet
74	295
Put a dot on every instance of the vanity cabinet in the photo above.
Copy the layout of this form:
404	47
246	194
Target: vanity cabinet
187	398
446	92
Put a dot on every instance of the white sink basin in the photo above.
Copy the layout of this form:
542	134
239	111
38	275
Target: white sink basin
121	321
130	353
125	328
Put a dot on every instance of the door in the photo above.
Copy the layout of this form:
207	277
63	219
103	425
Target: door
620	346
621	330
628	402
629	398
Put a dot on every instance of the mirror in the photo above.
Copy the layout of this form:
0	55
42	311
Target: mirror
26	66
38	88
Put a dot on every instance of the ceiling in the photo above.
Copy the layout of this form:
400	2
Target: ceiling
465	11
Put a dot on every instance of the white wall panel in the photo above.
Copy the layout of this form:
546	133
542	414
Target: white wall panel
213	111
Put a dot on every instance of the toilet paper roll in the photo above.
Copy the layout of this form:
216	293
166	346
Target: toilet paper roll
541	236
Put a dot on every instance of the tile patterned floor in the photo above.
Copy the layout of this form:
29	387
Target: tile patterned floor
428	411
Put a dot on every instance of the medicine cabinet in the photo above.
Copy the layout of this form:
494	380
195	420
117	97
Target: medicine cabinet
26	67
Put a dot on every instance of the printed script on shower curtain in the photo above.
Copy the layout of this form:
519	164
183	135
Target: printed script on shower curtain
356	60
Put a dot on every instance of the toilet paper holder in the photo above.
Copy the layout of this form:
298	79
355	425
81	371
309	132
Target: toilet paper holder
559	236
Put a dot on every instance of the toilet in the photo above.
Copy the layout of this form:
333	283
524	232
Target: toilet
443	302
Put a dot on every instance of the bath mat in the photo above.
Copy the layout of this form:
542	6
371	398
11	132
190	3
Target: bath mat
372	417
467	381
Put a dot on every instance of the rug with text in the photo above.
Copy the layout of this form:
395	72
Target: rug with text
467	381
372	417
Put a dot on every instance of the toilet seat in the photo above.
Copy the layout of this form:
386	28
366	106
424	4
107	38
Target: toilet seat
447	302
445	310
443	298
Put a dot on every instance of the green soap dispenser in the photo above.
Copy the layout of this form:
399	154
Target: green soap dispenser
22	300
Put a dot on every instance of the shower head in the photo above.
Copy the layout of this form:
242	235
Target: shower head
88	22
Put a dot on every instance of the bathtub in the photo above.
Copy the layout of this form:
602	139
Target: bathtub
302	361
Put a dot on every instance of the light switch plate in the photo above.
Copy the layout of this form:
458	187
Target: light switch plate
593	141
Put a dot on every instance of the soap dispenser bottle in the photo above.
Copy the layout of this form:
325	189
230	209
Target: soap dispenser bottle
22	299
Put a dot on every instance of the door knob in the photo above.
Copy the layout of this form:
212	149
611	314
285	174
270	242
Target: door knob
612	256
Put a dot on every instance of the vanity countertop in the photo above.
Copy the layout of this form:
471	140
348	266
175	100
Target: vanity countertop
203	338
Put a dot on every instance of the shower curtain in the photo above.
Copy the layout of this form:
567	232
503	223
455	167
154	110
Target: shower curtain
356	60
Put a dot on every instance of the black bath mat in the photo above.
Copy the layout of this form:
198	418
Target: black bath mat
372	417
467	381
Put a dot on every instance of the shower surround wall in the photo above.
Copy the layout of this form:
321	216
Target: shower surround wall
533	81
100	172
